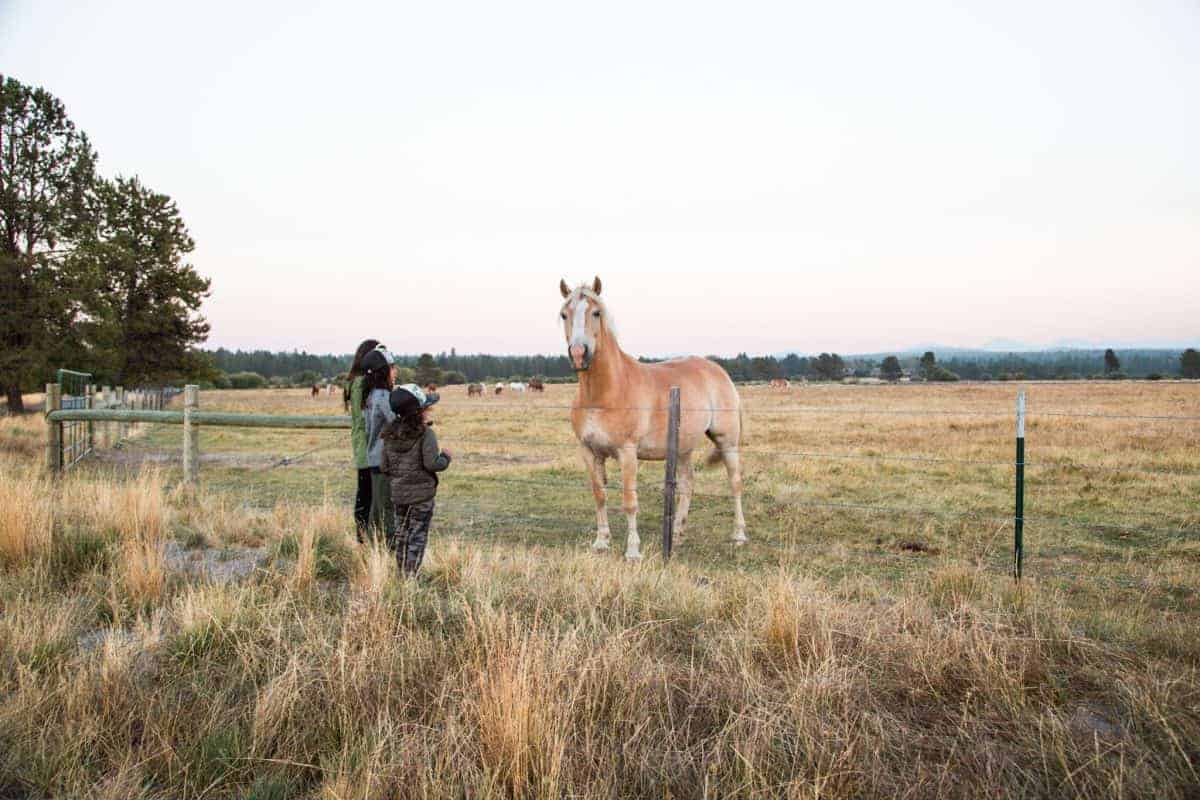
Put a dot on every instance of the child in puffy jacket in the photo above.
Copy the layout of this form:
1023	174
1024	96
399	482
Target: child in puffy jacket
411	461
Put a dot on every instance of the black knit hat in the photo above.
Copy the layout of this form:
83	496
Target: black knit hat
377	360
403	402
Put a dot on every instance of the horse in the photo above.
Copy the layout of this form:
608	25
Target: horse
536	385
316	390
779	383
620	411
431	388
517	386
474	389
499	388
332	388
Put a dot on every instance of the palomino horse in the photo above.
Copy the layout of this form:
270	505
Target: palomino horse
620	411
474	389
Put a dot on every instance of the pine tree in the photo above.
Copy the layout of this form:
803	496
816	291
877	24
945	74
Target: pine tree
890	369
47	170
928	365
146	321
1189	364
1112	364
427	370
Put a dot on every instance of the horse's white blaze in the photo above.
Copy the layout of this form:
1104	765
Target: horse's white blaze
579	323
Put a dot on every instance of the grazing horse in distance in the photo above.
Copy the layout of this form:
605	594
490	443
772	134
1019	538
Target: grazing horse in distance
517	386
316	390
499	388
430	388
332	386
620	411
536	385
779	383
474	389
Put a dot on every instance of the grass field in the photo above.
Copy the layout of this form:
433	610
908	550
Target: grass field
868	642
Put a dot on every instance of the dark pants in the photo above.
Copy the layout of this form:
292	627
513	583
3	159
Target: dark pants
379	521
410	534
362	504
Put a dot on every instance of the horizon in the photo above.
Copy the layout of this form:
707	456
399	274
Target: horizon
826	179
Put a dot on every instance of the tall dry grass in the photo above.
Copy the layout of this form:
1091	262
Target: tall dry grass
544	672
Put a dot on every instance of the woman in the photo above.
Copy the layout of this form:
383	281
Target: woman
352	395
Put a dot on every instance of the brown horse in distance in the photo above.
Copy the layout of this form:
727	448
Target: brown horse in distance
620	411
536	385
474	389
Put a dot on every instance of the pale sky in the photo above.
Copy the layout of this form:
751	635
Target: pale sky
742	176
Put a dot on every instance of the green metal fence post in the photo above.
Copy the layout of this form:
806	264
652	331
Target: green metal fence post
1019	517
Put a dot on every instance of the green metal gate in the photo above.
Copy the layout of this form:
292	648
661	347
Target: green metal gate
78	438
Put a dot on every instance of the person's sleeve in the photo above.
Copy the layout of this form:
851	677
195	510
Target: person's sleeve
433	459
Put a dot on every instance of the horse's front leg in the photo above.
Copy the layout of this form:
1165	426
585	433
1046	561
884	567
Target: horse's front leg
629	469
595	467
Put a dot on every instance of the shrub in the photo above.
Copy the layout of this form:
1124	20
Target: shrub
247	380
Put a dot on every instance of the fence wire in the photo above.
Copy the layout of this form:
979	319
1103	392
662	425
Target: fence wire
511	480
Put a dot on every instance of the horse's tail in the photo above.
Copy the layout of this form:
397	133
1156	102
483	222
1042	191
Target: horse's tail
715	457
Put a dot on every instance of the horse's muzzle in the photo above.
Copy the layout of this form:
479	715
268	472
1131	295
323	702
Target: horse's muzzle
581	356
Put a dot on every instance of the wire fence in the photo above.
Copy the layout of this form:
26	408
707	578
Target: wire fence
516	474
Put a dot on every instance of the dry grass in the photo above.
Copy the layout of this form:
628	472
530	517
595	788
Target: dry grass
829	659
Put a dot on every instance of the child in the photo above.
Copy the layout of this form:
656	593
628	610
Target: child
379	374
411	460
352	397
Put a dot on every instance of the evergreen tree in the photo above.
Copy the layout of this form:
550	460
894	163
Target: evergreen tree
927	364
890	369
1189	364
146	321
1112	364
427	371
47	170
830	367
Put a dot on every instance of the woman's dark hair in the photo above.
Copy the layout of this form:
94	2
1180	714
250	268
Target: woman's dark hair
356	368
413	424
377	379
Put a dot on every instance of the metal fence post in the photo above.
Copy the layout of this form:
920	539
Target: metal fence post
90	390
1019	517
669	476
191	399
53	429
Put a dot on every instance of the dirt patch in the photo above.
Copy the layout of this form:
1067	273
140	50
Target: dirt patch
495	459
912	546
218	566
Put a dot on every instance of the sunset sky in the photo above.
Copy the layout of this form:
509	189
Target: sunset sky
743	176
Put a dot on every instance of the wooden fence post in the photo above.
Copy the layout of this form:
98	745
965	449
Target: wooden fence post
191	456
90	390
669	476
53	429
122	430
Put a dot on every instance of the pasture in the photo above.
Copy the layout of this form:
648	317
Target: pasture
867	642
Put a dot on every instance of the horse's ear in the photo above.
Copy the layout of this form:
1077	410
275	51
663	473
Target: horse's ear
562	287
596	285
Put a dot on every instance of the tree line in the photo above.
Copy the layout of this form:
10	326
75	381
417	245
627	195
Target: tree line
262	367
92	269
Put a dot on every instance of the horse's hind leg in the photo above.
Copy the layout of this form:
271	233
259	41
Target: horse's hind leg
595	468
629	469
733	466
686	481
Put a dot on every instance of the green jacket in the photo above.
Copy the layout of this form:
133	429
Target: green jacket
358	425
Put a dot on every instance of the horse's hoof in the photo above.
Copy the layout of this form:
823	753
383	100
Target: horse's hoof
738	541
599	546
633	556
